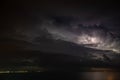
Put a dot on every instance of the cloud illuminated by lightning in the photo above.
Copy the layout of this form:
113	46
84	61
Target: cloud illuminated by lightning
87	37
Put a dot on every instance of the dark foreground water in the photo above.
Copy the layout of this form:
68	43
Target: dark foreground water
61	76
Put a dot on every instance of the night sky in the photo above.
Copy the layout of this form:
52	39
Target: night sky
65	27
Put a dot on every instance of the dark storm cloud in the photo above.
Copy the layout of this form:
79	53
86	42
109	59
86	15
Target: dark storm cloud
31	21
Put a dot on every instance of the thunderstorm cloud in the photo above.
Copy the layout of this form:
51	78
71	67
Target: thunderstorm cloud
91	36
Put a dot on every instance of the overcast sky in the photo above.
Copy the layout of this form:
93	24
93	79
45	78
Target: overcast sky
34	21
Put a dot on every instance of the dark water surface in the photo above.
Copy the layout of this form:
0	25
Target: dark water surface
61	76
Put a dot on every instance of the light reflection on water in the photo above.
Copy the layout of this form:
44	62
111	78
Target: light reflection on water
100	74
